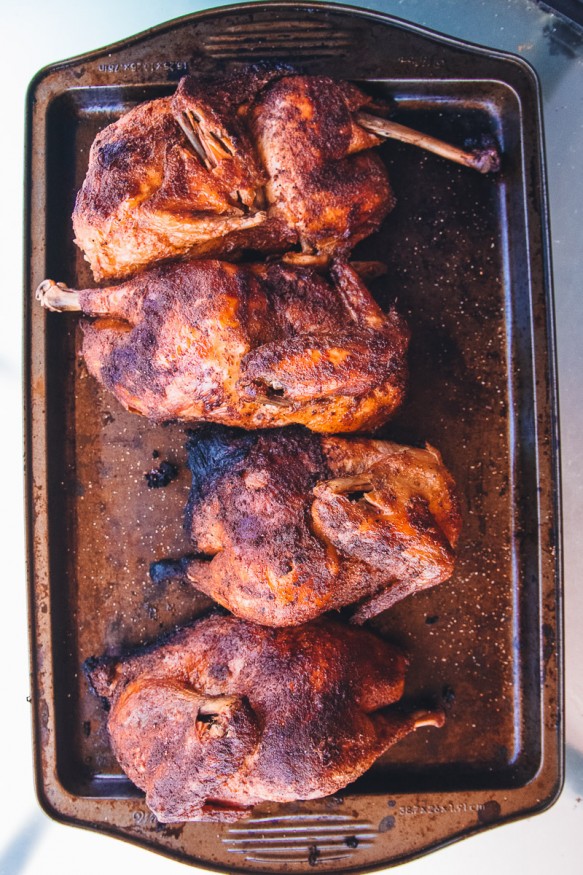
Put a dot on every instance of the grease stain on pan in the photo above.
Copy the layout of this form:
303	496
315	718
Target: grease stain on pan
489	812
387	823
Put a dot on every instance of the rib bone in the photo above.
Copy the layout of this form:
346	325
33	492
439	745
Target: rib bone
210	147
192	132
485	160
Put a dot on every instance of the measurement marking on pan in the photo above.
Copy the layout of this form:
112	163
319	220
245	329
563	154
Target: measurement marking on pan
143	66
448	808
145	818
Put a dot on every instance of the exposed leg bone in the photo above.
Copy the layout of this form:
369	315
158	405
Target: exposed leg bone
303	259
365	269
485	160
57	297
121	302
395	725
428	718
171	569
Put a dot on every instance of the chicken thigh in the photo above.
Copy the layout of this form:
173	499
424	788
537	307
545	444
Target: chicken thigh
226	714
250	346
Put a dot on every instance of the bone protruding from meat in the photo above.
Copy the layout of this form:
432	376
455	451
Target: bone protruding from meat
347	485
367	270
486	160
306	259
57	297
428	718
214	714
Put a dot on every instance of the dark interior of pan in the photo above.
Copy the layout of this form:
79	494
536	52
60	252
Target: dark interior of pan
467	260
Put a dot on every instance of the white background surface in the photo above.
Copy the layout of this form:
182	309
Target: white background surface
36	34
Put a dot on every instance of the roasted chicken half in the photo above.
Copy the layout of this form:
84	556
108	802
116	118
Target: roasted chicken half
287	525
251	346
253	159
226	714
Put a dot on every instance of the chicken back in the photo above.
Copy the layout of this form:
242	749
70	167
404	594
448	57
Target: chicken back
227	714
252	159
287	525
249	346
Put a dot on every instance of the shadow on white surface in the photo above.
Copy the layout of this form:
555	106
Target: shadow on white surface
574	769
14	856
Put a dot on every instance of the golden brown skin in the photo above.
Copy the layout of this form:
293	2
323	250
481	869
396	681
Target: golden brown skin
324	182
247	160
251	346
289	525
227	714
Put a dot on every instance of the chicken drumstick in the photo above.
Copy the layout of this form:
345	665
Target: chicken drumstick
255	159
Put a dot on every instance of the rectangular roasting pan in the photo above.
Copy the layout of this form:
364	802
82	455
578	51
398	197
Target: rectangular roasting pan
468	261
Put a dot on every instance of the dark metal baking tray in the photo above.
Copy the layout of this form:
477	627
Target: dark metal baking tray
468	261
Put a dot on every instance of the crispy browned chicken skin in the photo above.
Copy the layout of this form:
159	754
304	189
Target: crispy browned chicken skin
251	346
227	714
291	524
253	159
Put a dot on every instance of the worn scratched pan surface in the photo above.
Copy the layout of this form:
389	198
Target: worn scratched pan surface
468	264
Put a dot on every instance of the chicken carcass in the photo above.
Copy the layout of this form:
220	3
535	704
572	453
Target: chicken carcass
287	525
250	346
186	175
255	159
226	714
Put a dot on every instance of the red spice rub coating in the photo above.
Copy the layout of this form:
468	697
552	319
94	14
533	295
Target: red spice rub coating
227	714
253	159
251	346
292	524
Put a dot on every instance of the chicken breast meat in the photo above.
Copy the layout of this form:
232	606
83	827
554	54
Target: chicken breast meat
250	346
287	525
227	714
